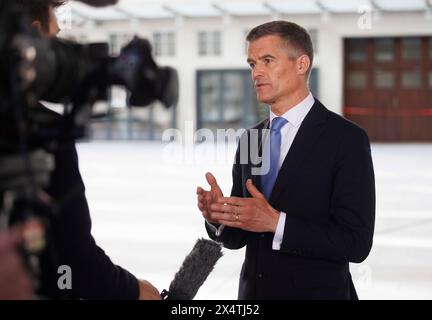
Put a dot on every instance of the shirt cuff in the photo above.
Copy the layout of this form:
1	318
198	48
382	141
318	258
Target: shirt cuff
278	237
217	230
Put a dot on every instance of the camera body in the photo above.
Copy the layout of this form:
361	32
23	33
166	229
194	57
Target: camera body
34	68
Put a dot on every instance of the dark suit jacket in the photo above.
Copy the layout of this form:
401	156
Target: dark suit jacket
326	188
94	275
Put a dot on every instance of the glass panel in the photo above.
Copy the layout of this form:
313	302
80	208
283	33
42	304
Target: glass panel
357	50
411	79
164	44
384	79
202	43
217	43
157	44
209	89
233	97
357	80
430	79
384	49
170	44
411	48
209	43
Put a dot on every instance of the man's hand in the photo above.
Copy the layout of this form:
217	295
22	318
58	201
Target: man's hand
207	198
15	282
251	214
147	291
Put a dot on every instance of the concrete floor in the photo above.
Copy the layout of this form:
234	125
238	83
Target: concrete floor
143	204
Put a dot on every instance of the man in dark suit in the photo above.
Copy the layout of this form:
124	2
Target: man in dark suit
309	209
70	242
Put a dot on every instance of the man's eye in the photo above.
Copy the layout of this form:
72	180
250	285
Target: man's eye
267	61
251	65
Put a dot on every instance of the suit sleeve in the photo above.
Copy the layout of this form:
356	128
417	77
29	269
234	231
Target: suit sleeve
232	238
94	275
347	236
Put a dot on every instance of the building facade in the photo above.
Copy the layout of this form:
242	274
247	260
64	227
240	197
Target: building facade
373	60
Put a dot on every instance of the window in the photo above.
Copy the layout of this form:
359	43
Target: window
411	79
117	42
209	43
357	50
430	79
357	80
384	50
411	49
384	79
227	99
164	44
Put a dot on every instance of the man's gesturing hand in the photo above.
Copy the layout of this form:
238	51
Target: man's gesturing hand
252	214
207	198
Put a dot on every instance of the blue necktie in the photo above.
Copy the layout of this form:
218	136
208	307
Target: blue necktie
271	157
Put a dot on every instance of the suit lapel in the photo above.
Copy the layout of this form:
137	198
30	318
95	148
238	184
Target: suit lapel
308	133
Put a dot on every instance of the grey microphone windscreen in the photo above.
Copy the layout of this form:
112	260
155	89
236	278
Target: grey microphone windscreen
196	267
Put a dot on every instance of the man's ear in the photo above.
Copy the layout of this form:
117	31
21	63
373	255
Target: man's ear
303	64
37	25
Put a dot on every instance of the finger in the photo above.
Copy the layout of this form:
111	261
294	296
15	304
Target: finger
200	191
213	183
222	216
206	215
235	201
253	190
200	206
226	208
211	179
207	198
218	207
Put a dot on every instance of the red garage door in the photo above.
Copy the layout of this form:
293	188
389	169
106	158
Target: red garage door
388	87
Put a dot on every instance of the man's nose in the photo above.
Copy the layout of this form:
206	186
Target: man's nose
257	73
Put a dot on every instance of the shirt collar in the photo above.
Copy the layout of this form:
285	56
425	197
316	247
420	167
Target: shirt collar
296	114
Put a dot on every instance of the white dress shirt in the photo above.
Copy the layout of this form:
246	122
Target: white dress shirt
295	117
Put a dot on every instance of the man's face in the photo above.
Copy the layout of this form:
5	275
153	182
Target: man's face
274	69
53	27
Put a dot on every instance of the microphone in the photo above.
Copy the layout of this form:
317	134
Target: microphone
194	271
99	3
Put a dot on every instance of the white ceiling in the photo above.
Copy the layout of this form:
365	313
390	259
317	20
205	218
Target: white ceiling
159	9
